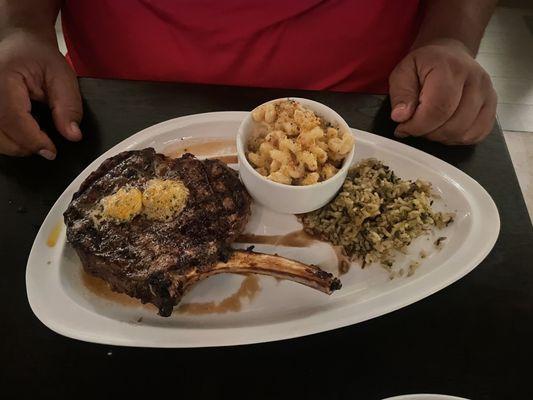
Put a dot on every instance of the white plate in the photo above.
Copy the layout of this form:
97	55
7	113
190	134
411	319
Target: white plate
281	310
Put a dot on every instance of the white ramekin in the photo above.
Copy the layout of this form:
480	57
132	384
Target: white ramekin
289	199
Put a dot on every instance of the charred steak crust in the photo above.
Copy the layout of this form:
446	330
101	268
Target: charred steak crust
142	258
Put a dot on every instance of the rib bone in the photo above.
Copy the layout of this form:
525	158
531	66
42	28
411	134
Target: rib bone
248	262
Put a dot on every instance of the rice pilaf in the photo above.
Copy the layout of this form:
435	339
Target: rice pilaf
376	214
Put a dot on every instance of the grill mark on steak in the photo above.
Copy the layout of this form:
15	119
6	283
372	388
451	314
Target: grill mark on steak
158	261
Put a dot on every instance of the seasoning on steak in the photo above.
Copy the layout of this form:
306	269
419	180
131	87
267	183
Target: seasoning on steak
158	260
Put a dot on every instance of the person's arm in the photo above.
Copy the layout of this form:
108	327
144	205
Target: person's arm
438	90
32	68
464	21
31	15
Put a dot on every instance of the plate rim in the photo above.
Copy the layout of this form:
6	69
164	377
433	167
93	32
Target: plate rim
245	335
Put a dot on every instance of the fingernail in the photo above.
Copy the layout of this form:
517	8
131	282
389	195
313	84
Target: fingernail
47	154
397	112
75	132
400	106
400	134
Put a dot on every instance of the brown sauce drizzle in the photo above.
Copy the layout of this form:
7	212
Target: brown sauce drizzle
231	159
223	149
248	290
101	288
298	238
249	287
343	261
54	234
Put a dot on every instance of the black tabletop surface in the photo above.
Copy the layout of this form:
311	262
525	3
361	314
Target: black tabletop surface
472	339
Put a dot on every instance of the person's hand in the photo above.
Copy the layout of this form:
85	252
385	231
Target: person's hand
440	92
31	68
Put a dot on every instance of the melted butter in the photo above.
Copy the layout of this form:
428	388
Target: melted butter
54	234
101	288
248	290
222	149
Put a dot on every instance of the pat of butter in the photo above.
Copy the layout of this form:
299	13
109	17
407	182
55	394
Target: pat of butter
122	205
163	199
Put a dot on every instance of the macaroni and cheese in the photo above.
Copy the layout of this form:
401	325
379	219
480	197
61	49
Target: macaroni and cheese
294	146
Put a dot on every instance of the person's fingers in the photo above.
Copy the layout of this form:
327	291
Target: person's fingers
484	122
34	84
10	148
463	118
65	101
439	97
404	90
16	121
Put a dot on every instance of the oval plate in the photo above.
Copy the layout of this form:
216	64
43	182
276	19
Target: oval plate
281	310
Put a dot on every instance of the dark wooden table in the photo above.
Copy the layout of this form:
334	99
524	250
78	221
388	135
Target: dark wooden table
472	339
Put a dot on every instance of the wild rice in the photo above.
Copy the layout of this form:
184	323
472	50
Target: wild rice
376	214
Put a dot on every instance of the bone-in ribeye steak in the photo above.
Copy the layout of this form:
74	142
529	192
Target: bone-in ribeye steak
158	261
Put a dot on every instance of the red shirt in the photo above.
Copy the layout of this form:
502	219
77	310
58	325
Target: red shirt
342	45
